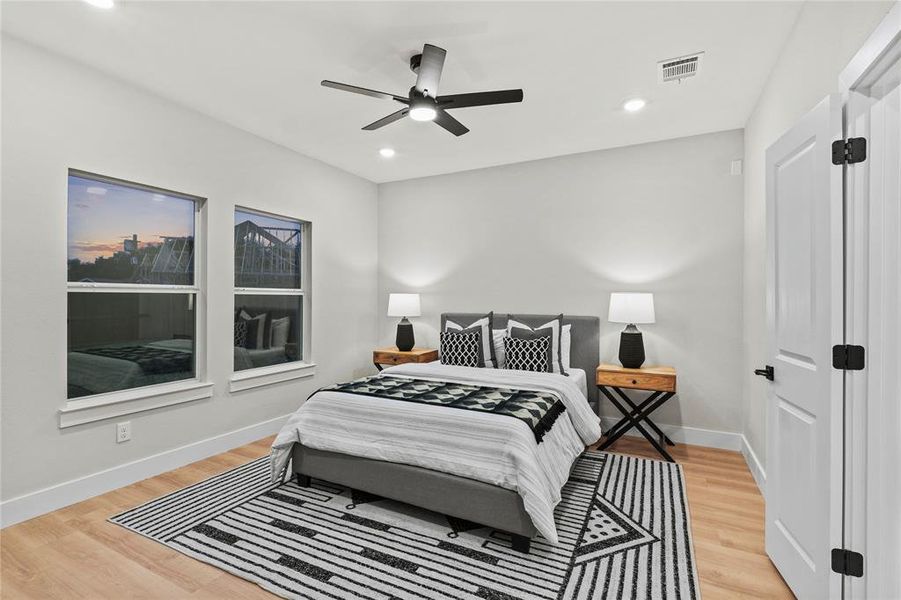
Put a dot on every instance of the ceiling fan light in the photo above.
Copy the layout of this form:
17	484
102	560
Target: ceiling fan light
423	113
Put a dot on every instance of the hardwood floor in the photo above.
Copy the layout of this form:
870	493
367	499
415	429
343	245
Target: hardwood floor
75	553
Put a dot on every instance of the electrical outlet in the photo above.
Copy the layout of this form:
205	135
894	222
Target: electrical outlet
123	432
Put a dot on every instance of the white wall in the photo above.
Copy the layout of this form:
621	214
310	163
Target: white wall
58	115
825	37
558	235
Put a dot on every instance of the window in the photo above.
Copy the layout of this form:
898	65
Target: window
269	290
132	289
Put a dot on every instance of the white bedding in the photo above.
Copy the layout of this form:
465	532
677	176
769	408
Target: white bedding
490	448
579	378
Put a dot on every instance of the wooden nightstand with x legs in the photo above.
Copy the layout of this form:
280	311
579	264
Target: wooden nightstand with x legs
393	356
659	381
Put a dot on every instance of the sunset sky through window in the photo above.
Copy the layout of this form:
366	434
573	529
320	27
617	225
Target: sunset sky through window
102	214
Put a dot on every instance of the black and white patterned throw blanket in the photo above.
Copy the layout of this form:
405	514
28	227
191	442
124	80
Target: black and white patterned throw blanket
153	361
538	410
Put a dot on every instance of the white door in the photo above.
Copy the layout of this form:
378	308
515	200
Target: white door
804	320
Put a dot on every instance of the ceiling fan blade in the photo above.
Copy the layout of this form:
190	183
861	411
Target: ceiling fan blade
430	67
396	116
479	99
364	91
451	124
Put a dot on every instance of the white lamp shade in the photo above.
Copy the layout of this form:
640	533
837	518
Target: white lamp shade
631	307
403	305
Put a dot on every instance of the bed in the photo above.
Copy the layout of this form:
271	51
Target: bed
488	469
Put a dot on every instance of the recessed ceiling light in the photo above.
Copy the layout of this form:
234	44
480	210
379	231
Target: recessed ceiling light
387	152
97	191
634	105
423	113
100	3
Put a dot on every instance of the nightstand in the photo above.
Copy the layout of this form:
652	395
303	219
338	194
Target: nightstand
659	381
393	356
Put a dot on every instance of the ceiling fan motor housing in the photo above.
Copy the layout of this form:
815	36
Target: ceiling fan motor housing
415	61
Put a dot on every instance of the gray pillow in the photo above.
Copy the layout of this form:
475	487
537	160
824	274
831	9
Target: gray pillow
554	328
486	324
256	330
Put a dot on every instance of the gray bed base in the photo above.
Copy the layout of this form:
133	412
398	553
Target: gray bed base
444	493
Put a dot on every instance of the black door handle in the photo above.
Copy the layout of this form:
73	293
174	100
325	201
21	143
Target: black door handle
766	372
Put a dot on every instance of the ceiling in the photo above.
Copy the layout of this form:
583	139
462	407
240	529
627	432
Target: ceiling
257	65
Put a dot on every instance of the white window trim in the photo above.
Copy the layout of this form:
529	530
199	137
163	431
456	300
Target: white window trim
305	367
98	407
253	378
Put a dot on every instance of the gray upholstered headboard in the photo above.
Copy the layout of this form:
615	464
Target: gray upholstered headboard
585	351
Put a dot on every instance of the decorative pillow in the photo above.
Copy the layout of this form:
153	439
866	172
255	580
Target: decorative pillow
462	348
278	332
528	354
552	328
566	343
499	354
240	333
526	334
486	324
256	330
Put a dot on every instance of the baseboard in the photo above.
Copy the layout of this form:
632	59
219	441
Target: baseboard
690	435
22	508
754	465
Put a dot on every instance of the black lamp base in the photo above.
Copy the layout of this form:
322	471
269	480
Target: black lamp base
631	348
404	340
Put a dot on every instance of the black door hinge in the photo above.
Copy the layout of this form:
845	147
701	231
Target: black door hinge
847	357
850	151
846	562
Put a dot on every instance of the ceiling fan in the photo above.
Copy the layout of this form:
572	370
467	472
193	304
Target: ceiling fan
423	102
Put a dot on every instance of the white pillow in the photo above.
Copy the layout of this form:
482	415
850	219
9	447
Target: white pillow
566	341
487	344
499	354
278	332
556	343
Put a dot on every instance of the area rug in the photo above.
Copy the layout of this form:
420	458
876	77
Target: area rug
623	525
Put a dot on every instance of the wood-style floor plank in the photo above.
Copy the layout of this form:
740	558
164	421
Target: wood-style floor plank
75	553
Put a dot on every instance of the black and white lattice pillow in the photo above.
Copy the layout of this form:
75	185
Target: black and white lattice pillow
240	333
463	349
528	354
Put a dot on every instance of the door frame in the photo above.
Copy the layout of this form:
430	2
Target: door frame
881	50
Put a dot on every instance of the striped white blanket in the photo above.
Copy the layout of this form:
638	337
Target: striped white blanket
485	447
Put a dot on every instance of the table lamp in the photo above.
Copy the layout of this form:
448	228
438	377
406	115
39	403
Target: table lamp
404	305
631	308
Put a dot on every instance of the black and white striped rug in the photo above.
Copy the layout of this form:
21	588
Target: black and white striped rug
623	525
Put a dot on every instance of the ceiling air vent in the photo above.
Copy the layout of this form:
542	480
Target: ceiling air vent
677	69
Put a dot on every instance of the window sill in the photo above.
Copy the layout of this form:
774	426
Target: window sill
126	402
254	378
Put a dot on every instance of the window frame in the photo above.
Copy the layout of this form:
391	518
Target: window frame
305	367
86	409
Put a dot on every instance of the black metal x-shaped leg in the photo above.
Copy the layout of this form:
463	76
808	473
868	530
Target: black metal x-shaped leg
634	415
